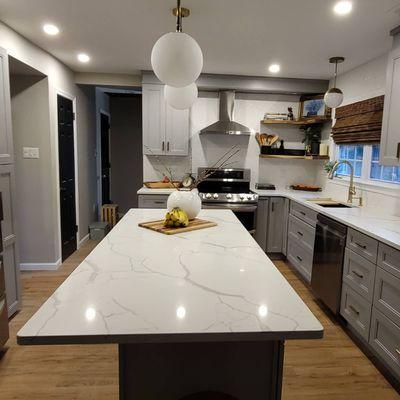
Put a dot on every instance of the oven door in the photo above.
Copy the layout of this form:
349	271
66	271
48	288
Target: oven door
246	213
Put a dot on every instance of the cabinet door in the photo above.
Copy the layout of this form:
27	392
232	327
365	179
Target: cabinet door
276	225
177	132
262	223
390	139
6	147
153	120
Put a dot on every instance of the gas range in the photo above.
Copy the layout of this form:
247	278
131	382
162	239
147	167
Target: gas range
248	197
230	189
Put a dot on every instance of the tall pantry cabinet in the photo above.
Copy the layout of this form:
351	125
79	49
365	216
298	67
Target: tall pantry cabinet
7	189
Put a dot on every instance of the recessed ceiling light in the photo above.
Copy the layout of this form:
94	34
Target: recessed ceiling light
83	58
51	29
274	68
343	7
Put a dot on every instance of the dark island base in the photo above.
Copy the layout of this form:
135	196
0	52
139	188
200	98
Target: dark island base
172	371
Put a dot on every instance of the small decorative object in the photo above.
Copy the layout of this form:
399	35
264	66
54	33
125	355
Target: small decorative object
312	138
276	116
313	107
323	149
176	58
187	200
290	114
181	98
334	96
328	167
282	147
188	181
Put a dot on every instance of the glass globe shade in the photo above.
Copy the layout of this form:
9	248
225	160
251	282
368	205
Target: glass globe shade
333	97
181	98
177	59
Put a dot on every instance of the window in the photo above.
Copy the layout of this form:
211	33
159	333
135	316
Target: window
365	160
354	155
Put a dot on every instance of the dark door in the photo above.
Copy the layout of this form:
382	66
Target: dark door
67	175
105	159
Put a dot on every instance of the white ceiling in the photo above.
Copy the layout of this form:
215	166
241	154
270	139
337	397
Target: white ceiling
237	36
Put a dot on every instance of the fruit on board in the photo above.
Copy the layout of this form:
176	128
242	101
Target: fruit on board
176	218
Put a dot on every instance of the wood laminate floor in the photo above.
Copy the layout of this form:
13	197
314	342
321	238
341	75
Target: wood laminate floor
331	369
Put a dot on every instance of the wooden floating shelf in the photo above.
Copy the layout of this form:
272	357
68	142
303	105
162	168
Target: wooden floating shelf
296	122
294	157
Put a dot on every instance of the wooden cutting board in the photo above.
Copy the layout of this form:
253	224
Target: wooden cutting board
194	225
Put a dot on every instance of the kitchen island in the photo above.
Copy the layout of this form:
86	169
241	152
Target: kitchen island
198	311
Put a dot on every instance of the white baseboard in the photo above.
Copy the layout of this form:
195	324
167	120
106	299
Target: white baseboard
83	240
40	266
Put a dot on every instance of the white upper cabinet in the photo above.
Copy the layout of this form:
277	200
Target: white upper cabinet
6	142
165	130
390	139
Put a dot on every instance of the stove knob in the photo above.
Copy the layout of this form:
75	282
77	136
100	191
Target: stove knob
256	197
229	196
208	196
242	197
215	195
250	197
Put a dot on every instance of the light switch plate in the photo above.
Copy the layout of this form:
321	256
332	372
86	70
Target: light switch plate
30	152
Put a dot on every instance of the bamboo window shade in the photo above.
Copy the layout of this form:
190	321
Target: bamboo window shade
359	122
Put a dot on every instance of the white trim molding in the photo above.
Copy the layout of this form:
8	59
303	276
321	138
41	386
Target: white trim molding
40	266
83	240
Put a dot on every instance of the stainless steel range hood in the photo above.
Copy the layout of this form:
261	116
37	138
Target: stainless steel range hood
226	124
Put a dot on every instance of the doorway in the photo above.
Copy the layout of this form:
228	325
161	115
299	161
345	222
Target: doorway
105	158
66	158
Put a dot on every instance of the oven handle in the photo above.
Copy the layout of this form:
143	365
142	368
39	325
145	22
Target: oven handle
233	207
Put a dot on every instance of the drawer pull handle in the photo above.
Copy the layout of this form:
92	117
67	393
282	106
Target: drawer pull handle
299	258
163	146
300	233
302	213
398	351
398	150
159	202
351	308
358	274
363	246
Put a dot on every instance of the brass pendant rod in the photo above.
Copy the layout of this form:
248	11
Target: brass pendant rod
179	17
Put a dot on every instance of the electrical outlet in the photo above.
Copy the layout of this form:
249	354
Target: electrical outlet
30	152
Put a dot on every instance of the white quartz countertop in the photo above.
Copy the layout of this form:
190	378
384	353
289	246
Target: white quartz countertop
141	286
371	221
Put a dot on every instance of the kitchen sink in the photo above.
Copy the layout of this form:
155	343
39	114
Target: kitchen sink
329	202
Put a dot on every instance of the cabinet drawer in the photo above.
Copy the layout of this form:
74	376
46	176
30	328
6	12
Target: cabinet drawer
301	258
389	259
356	311
302	232
152	201
387	295
4	333
304	213
385	340
2	278
359	274
362	244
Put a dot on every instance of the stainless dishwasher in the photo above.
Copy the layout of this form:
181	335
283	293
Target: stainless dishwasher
326	278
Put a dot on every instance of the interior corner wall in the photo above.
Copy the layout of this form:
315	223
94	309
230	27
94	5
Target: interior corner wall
30	122
60	79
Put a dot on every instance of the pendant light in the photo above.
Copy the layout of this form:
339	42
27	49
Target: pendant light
181	98
176	58
334	97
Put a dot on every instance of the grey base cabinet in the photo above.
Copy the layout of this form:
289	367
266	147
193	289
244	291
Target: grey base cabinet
152	200
271	227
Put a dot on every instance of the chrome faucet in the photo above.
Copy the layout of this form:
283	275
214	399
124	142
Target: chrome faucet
352	189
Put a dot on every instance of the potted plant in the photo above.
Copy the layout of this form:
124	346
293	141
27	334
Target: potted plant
312	138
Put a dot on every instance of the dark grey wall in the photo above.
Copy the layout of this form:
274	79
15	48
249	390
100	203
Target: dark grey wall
126	150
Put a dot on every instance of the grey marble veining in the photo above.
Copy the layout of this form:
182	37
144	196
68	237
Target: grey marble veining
138	285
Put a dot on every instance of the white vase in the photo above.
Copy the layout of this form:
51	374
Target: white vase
188	200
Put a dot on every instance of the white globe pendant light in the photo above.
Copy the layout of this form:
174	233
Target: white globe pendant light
334	96
181	98
176	58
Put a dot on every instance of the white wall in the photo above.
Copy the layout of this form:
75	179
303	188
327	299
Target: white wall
361	83
60	78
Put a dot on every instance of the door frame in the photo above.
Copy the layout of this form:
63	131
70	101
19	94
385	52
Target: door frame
73	99
107	114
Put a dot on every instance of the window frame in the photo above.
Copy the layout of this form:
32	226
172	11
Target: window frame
366	167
